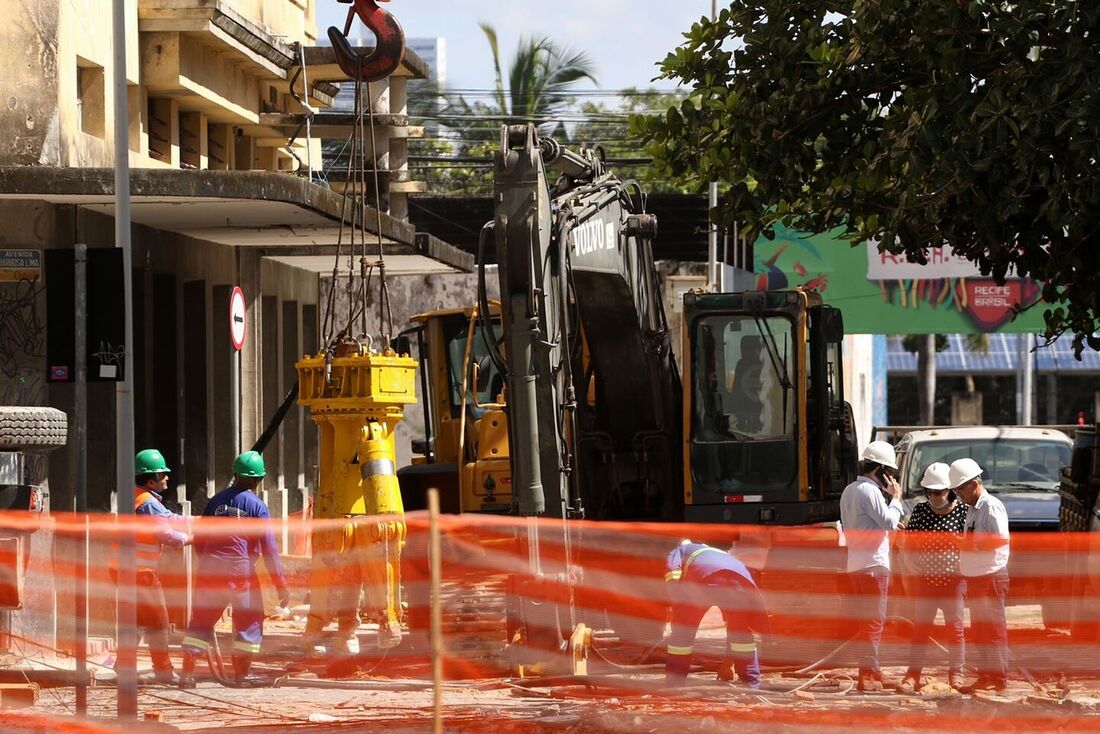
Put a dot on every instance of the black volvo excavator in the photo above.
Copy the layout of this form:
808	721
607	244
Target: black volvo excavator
600	423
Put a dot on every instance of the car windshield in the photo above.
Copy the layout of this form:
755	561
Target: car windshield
1007	464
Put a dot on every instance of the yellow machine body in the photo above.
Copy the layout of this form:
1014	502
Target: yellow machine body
357	402
468	460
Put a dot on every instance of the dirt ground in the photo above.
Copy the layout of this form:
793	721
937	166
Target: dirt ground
395	694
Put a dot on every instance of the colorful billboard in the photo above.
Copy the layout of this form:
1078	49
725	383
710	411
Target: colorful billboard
887	294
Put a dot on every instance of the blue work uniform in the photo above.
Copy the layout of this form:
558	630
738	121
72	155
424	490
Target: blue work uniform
227	571
700	577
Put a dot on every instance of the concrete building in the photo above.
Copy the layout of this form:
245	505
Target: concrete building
222	196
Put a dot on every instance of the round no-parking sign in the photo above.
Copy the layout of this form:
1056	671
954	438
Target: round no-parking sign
237	317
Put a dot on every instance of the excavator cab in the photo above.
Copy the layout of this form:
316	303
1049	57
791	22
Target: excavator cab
768	437
464	449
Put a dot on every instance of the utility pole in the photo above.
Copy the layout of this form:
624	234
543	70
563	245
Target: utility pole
713	279
1025	380
124	388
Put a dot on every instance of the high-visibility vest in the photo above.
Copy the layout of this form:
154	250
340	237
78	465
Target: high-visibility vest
146	545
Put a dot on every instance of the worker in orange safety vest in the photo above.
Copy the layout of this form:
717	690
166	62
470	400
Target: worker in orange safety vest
150	482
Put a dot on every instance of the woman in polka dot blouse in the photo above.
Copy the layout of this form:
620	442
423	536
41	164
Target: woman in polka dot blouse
932	541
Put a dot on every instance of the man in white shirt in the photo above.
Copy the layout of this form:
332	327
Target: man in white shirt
983	562
870	507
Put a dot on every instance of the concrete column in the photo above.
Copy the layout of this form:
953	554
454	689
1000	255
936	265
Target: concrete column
399	152
136	103
272	396
292	423
194	144
219	436
248	265
221	147
245	153
164	131
380	103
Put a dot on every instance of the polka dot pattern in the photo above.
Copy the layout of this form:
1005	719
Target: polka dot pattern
936	542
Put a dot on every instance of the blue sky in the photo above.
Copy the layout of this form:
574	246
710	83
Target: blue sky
626	38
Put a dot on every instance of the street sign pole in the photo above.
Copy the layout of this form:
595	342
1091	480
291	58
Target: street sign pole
237	323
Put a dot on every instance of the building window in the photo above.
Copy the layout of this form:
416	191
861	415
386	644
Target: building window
90	98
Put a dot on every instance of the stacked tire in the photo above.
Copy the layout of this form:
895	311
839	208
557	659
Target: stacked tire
32	428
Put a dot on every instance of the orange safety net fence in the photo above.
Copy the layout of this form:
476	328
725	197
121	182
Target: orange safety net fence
513	594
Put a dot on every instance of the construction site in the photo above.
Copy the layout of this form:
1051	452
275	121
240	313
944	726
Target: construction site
272	458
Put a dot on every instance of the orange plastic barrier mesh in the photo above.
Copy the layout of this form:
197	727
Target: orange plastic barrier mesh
513	592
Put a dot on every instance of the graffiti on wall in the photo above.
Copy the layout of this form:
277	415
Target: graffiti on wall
22	343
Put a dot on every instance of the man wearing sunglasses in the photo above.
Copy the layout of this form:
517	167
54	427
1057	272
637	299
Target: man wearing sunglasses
983	561
870	507
156	526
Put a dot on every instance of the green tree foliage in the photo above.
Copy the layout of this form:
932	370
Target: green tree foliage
540	77
607	125
909	122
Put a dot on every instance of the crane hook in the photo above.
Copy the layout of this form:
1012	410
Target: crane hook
388	51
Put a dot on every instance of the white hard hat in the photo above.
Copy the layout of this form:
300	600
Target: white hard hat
880	452
936	476
962	471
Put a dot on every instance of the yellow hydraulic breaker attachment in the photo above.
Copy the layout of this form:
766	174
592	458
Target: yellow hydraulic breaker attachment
357	398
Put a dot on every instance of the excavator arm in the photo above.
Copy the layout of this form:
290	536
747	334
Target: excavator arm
593	391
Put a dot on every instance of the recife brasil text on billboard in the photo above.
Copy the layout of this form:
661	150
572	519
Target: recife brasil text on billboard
887	294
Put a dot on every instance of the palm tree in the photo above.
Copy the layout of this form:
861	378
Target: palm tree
539	78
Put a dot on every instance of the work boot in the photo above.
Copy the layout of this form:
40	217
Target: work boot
242	678
985	683
955	680
166	676
187	673
886	681
389	635
910	684
867	682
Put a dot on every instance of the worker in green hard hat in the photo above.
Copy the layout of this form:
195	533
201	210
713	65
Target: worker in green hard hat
226	576
165	528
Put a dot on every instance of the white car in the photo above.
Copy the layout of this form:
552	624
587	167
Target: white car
1021	465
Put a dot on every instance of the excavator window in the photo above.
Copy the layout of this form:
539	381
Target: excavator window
489	377
743	426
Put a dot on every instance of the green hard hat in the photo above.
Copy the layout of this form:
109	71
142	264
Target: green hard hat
249	464
150	461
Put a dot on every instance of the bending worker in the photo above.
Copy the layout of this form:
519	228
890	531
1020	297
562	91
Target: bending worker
700	577
153	531
226	573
